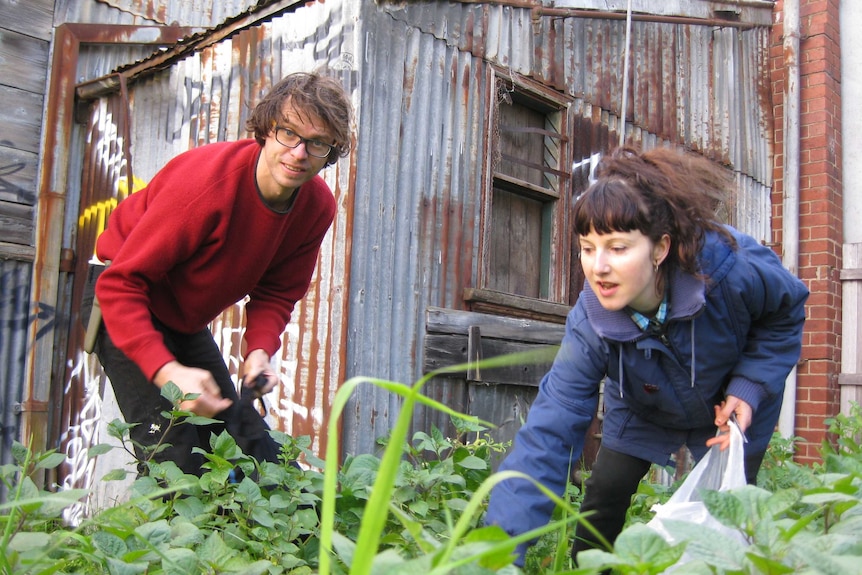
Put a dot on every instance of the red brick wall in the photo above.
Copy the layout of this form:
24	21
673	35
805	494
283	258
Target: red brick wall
820	208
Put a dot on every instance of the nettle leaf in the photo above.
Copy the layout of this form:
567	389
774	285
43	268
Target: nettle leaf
641	545
492	535
725	507
120	567
769	565
248	490
455	479
361	472
54	503
199	419
344	548
780	502
262	516
423	442
20	453
119	429
215	552
172	393
828	498
263	566
180	562
419	508
186	534
109	544
279	501
155	533
850	523
457	503
696	567
145	486
50	460
99	449
472	462
819	555
23	542
721	548
28	495
597	559
225	445
305	519
835	544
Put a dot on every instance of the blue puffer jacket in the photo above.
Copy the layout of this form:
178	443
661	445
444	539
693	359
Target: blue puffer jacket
738	333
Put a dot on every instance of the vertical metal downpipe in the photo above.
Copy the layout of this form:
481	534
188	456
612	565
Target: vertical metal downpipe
790	220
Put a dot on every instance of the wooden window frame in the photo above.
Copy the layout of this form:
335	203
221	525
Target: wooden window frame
552	304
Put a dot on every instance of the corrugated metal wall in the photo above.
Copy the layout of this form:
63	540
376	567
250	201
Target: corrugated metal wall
420	173
25	34
407	233
422	151
14	319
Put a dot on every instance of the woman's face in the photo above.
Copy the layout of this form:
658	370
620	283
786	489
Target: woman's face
621	268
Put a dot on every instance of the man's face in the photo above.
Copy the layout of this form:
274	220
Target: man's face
282	169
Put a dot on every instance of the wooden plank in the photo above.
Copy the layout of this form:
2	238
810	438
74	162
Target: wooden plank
854	274
505	406
31	17
17	252
23	61
18	173
16	223
850	379
515	242
440	320
851	321
20	119
482	300
448	350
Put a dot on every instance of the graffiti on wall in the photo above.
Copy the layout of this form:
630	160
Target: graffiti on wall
10	188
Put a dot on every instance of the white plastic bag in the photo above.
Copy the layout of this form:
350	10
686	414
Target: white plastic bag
718	470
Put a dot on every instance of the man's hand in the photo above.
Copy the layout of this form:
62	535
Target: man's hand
194	380
723	413
256	363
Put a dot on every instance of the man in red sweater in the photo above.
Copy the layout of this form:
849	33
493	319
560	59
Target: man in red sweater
216	224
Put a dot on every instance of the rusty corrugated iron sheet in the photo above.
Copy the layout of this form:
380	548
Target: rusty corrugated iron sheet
14	318
184	12
422	169
690	78
408	232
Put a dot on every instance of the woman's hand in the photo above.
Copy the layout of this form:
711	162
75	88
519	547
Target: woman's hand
732	406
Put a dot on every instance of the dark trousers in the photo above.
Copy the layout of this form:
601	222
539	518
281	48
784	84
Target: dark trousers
607	496
140	401
609	489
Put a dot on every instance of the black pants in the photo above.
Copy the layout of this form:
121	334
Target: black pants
607	496
140	401
609	489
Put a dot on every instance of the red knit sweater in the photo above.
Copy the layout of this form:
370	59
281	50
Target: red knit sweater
198	239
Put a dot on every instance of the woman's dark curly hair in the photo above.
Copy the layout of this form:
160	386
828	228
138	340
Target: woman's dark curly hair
314	93
657	192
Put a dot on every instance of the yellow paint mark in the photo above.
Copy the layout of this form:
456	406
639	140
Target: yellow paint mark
97	214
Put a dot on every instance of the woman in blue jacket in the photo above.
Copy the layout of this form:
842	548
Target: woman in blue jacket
687	321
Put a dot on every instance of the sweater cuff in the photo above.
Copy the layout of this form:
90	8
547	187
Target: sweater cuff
748	391
259	340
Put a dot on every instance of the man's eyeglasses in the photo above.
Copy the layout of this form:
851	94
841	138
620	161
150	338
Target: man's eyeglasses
290	139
